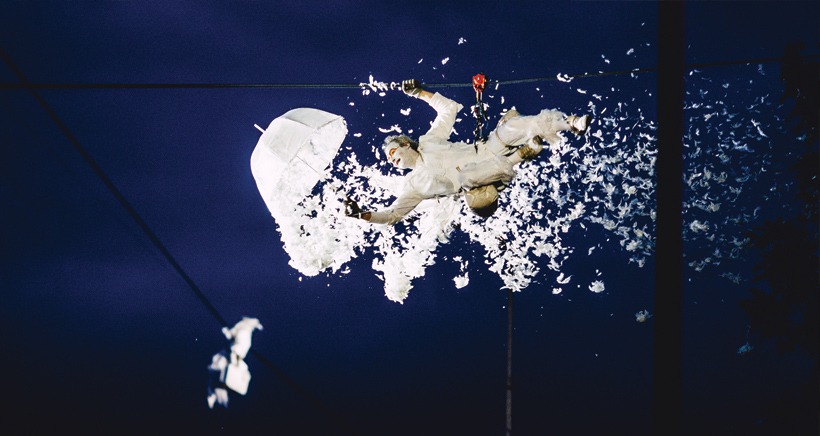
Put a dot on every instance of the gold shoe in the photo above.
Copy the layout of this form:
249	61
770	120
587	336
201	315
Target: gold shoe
531	149
578	125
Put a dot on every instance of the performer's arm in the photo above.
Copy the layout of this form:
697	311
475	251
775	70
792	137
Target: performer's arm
403	205
446	109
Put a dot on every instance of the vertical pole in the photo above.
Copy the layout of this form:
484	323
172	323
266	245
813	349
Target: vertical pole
668	355
509	360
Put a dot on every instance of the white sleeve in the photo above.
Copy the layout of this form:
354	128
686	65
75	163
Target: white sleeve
446	111
403	205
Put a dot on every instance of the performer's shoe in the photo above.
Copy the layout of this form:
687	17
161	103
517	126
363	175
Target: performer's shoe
578	125
531	149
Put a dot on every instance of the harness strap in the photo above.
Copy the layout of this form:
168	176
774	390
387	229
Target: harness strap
479	84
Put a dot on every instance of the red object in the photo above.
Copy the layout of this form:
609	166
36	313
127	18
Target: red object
479	82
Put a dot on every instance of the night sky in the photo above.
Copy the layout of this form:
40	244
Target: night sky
103	335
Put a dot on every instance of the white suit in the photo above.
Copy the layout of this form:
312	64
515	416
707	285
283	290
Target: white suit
446	168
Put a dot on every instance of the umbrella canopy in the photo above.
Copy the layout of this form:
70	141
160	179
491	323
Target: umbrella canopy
292	155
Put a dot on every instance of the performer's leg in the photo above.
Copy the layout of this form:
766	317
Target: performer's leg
485	172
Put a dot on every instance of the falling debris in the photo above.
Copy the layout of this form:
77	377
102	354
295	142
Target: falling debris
375	86
597	286
642	315
240	334
217	391
463	279
228	369
393	128
562	280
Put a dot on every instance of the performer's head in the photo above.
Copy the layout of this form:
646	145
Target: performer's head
401	151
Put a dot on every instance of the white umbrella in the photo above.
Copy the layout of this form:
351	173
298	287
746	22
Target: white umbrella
292	155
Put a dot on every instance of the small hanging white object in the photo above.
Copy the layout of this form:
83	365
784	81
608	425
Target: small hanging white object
642	315
232	372
241	335
238	377
217	394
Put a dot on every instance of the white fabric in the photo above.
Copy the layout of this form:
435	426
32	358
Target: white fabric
238	377
445	168
232	373
241	335
217	394
292	154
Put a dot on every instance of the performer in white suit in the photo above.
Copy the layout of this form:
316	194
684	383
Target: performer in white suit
478	171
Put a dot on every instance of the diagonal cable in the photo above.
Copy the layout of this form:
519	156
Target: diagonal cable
154	238
113	188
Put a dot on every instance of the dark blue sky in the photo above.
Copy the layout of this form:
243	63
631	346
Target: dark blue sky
103	336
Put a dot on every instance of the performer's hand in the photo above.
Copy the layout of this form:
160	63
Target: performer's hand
352	208
411	87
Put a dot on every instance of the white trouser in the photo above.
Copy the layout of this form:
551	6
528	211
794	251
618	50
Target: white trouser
517	130
504	140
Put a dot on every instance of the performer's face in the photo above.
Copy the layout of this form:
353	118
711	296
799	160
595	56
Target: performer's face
402	156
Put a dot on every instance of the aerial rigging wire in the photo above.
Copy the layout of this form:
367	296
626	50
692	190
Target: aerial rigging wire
564	77
508	427
113	188
25	84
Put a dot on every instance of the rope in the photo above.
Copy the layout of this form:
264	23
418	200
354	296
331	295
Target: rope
341	425
618	72
29	85
177	85
150	233
116	192
508	430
